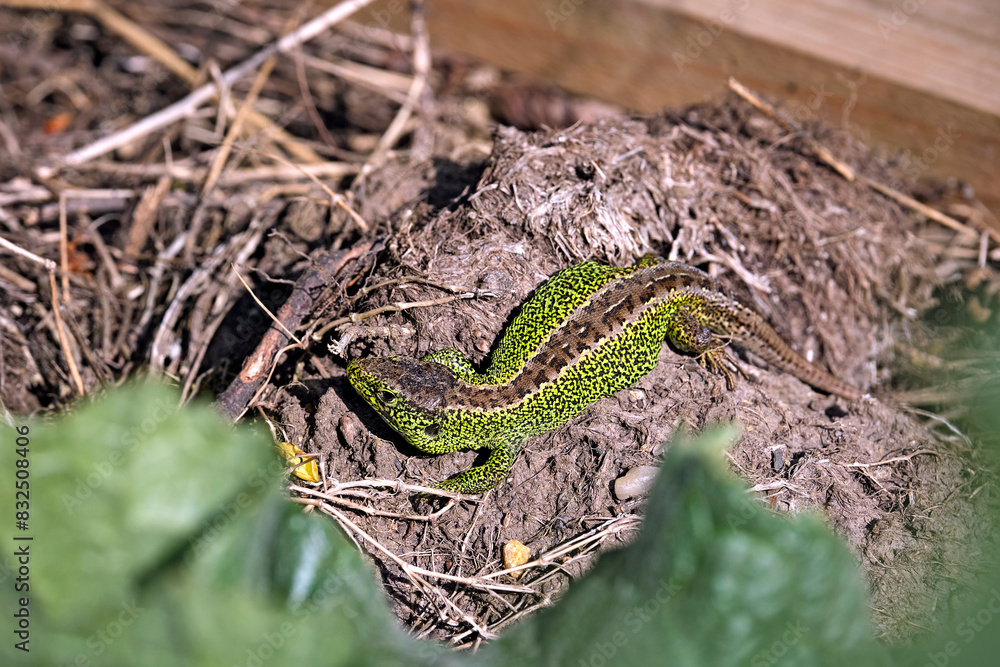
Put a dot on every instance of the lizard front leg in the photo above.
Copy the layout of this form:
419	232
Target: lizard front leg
485	477
457	363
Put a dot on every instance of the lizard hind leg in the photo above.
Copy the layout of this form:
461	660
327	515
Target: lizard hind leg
688	334
713	358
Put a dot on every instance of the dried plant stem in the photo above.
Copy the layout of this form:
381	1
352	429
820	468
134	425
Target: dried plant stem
64	338
237	126
849	174
336	500
49	265
188	105
395	307
421	67
895	459
474	582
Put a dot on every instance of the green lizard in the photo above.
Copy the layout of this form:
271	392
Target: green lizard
588	331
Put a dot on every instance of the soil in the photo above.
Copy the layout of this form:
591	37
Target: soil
820	257
466	219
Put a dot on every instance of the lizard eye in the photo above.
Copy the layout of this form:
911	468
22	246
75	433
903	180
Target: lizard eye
432	430
386	397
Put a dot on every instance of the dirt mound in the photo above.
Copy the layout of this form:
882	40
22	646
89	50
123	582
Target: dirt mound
449	230
718	186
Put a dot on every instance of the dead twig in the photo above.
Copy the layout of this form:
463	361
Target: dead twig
821	151
237	126
332	497
335	199
63	247
306	293
395	307
927	211
400	487
188	105
583	542
63	337
265	308
421	67
474	582
146	42
554	562
406	280
848	172
183	172
895	459
160	348
390	84
49	265
203	338
145	215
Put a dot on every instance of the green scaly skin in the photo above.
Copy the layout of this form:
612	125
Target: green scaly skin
587	332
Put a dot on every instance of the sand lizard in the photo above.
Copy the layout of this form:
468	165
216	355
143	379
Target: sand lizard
588	331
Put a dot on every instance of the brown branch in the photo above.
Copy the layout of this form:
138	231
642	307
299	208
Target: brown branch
325	268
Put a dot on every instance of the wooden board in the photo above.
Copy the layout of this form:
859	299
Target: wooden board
912	76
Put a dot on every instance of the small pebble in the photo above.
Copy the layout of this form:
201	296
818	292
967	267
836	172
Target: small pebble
636	482
514	554
347	427
778	458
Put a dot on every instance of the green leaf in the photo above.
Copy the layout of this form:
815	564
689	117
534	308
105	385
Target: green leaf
713	579
162	537
120	485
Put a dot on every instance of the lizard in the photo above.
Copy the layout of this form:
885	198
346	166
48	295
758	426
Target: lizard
587	332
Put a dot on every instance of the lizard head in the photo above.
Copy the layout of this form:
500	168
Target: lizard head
409	394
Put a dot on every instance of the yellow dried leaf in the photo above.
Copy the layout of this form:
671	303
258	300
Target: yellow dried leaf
304	465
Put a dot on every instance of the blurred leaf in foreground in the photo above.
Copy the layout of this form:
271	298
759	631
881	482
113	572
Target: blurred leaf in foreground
713	579
163	538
